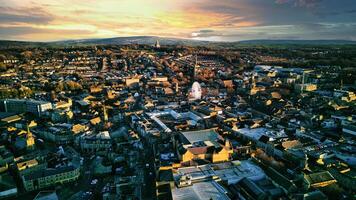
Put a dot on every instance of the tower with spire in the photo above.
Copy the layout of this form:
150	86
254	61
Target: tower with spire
196	66
30	140
177	87
253	81
105	117
157	45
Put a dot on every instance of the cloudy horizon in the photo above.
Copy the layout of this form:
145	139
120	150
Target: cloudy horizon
224	20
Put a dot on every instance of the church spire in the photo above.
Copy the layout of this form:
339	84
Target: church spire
30	140
157	45
106	118
196	66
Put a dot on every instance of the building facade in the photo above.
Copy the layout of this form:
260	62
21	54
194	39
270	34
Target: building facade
49	177
25	105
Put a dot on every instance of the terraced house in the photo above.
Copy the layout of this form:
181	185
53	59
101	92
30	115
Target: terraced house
49	177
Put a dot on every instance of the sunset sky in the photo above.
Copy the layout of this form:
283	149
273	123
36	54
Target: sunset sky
215	20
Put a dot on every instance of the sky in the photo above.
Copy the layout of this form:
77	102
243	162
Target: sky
213	20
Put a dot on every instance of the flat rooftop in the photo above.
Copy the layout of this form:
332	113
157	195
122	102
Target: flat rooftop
201	135
202	190
257	133
230	172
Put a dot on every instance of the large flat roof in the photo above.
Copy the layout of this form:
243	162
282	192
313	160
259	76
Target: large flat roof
202	190
201	135
230	172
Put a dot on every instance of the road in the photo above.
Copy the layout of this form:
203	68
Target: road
83	183
149	189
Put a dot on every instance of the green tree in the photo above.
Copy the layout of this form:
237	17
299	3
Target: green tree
3	67
60	87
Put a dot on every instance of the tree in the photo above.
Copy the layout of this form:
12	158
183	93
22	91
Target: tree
27	55
25	92
60	87
3	67
72	85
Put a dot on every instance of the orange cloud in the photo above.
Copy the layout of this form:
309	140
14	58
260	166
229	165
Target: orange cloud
67	19
53	20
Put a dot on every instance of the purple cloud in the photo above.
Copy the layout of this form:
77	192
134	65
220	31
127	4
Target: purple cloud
300	3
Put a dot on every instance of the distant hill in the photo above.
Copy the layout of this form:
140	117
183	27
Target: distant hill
150	40
298	42
4	44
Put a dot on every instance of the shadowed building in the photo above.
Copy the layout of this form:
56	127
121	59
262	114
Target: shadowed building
203	145
49	177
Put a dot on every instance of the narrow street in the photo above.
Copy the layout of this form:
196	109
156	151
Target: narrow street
149	189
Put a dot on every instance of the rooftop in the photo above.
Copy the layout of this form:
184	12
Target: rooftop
230	172
201	135
48	172
201	190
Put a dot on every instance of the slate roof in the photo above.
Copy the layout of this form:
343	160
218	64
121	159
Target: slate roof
48	172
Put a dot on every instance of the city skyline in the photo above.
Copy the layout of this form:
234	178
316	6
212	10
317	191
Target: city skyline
226	20
176	100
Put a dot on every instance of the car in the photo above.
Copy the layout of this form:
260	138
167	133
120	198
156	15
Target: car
94	182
